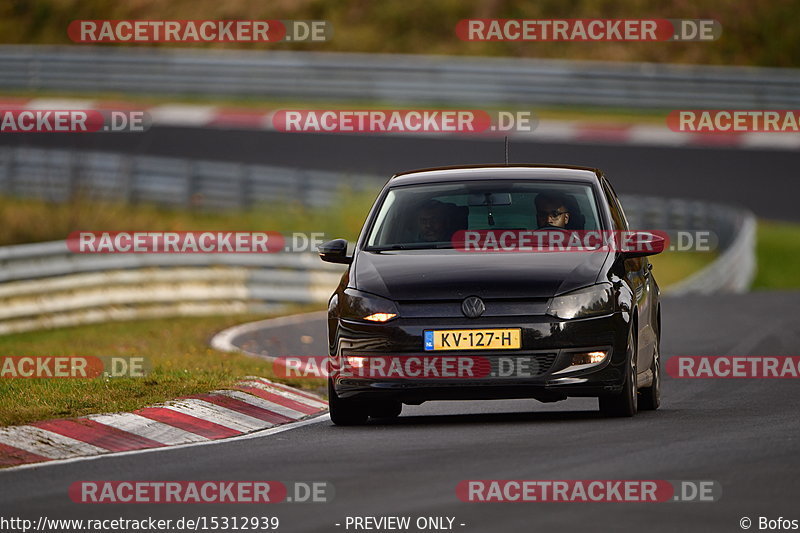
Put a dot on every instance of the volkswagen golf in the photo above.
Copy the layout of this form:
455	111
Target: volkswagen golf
493	282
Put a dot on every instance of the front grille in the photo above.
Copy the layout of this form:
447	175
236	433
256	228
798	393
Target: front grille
501	365
541	362
452	308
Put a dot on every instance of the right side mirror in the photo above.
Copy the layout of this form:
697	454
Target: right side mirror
335	251
642	243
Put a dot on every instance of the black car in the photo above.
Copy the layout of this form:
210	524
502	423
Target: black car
421	316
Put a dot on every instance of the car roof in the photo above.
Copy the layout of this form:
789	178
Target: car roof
482	172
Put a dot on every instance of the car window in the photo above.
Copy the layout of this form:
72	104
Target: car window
617	215
618	204
427	216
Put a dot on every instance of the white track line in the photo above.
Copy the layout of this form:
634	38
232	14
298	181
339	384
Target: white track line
784	140
223	340
657	136
182	114
61	104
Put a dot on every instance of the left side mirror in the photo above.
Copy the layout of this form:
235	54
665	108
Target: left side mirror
335	251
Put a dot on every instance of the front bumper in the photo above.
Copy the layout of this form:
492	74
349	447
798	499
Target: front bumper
547	341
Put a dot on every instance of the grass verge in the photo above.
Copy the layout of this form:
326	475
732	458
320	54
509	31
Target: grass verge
778	255
176	349
755	32
672	267
31	220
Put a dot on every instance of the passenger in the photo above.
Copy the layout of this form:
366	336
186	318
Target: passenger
551	211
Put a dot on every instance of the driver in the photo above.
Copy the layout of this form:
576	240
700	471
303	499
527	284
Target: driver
432	222
551	211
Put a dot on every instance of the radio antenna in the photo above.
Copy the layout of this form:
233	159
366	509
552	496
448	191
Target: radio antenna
506	149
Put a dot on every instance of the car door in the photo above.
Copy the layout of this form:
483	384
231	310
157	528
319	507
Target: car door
637	271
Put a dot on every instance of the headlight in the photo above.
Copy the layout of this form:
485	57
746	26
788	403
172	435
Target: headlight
359	305
591	301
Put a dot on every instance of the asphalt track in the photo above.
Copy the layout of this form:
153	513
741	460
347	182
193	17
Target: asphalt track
741	433
762	180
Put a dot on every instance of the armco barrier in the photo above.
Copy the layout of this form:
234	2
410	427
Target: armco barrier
45	285
733	271
58	175
443	80
734	228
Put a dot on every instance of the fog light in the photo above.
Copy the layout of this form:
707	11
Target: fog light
589	358
356	361
380	317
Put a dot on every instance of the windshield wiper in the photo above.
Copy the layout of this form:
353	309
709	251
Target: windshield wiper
407	247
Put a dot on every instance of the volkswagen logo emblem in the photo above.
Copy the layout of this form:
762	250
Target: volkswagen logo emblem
472	307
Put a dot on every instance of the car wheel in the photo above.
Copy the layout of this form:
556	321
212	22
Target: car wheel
345	412
650	398
386	409
626	402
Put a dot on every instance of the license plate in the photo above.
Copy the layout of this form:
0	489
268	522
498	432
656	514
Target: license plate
472	339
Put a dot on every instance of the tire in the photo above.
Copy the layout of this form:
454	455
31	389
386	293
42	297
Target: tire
345	412
650	397
386	409
624	404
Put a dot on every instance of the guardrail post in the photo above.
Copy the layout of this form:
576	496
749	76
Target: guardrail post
8	171
126	168
303	187
73	177
190	187
245	198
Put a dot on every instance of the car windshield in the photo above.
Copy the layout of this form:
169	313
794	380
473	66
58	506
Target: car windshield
428	216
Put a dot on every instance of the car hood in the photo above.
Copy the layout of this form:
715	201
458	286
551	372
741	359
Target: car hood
453	274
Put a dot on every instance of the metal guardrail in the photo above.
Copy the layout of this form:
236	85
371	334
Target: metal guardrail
734	232
45	285
443	80
732	271
58	175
